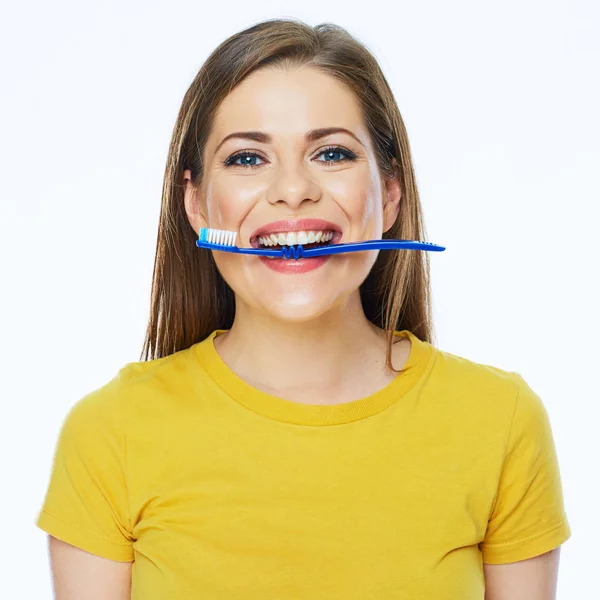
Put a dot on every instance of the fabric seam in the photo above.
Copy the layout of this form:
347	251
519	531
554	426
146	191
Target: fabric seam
121	420
421	376
526	539
512	420
77	526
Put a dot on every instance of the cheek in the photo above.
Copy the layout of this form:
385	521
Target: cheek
369	214
228	201
360	198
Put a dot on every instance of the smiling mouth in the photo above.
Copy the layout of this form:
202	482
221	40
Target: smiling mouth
307	239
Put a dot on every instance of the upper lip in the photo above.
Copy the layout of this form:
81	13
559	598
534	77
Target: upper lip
286	225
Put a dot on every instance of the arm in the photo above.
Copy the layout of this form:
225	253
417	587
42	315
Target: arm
86	508
78	574
531	579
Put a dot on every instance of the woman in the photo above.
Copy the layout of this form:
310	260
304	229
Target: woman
292	431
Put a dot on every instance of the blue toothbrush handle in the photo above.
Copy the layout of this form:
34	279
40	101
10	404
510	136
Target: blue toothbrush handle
372	245
298	251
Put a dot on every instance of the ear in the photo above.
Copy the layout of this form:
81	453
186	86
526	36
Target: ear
391	198
193	203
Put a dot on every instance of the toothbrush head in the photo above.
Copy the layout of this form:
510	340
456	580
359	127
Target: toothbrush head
217	236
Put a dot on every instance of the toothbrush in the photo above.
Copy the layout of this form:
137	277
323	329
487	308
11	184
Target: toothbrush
219	239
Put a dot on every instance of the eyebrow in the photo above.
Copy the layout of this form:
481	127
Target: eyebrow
265	138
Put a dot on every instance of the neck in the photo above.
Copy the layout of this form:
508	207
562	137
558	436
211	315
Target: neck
321	354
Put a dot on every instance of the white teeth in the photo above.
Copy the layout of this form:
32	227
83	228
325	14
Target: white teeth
295	237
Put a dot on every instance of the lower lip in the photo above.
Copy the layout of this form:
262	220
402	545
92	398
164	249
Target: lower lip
292	266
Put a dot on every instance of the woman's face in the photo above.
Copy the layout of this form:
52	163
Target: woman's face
289	170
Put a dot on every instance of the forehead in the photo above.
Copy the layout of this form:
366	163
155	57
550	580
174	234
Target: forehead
288	101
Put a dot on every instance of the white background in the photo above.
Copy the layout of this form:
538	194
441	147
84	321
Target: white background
501	105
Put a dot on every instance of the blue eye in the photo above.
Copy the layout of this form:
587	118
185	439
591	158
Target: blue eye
247	158
244	156
333	150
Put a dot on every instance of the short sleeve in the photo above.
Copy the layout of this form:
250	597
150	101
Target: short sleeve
86	501
528	517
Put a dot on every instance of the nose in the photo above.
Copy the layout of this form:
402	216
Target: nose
293	185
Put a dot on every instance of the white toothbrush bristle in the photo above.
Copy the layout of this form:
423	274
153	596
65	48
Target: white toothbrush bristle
221	237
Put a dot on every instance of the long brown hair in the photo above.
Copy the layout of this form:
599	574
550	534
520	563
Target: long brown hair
190	298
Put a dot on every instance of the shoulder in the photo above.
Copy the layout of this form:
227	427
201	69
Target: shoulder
472	375
124	395
499	396
492	408
489	393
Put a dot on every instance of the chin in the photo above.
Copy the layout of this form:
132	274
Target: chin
297	308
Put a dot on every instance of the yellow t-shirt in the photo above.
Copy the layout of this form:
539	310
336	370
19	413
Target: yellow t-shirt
218	490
